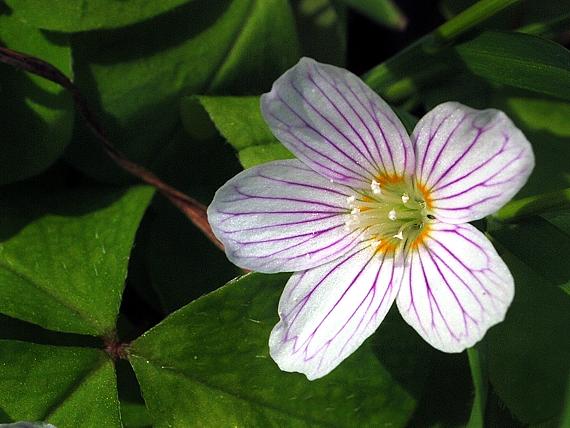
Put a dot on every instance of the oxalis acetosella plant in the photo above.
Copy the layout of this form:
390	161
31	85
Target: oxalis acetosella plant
367	215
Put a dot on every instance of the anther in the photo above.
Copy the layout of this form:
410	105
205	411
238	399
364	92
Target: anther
375	186
392	214
350	200
355	211
399	235
405	198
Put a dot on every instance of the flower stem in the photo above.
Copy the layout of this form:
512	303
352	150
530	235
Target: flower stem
397	78
193	209
466	20
533	205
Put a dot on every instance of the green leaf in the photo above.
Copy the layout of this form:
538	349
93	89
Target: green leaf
239	121
545	123
36	115
73	16
529	352
140	73
214	353
534	205
384	12
519	60
321	25
65	386
64	255
420	64
561	220
539	244
135	415
478	366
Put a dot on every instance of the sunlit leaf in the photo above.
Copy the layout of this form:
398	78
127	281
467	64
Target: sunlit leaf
65	386
139	73
239	121
73	16
221	365
64	255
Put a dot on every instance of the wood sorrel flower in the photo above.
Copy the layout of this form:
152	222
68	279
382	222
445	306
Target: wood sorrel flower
367	216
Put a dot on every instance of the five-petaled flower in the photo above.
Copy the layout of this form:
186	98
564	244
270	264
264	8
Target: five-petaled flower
367	215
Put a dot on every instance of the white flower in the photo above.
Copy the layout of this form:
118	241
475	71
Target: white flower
367	216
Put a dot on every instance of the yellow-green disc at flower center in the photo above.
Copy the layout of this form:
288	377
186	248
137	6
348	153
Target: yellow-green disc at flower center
394	213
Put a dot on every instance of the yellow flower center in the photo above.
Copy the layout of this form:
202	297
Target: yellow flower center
393	214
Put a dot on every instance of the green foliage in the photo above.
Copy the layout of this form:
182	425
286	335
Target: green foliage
321	26
65	386
529	352
478	366
111	319
518	60
239	121
37	115
72	16
214	46
221	365
63	255
385	12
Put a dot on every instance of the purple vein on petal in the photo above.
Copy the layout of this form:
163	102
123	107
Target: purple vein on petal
308	125
443	147
461	157
287	129
285	198
269	226
368	156
430	141
431	297
477	168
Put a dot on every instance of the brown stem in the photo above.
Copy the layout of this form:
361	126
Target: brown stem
191	208
116	349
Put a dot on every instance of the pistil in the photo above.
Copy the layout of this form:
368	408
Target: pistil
392	216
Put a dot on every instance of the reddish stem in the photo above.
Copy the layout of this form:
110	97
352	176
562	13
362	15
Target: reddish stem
191	208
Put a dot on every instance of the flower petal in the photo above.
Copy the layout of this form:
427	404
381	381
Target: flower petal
469	162
455	287
327	312
337	125
281	217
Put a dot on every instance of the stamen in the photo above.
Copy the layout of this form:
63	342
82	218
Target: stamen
389	217
375	186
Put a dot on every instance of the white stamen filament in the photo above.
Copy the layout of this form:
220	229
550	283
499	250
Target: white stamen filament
393	216
375	187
